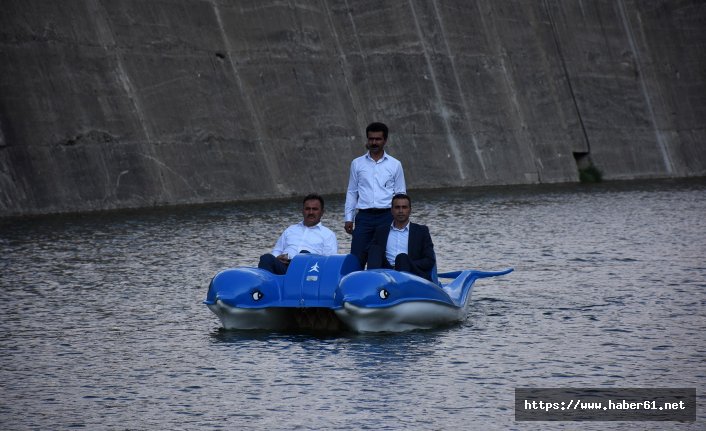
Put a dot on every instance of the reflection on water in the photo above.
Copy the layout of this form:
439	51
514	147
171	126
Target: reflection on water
103	326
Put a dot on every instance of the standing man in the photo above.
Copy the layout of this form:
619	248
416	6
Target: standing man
307	236
374	178
402	245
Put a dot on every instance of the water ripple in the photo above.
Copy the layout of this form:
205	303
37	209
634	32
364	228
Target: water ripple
103	325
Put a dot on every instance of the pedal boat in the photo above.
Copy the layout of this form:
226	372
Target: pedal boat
332	293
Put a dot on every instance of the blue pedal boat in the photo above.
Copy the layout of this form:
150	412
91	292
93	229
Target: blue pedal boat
332	293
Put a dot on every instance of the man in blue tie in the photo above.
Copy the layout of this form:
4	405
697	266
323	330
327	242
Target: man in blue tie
374	178
402	245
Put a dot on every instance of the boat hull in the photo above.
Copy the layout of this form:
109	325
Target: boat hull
277	318
406	316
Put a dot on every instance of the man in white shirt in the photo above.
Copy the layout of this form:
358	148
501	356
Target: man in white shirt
374	179
307	236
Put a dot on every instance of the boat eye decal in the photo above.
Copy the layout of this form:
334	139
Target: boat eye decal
257	295
384	293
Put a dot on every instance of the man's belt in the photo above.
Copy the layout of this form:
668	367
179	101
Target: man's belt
374	210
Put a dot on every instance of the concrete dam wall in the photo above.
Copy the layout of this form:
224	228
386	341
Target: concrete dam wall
130	103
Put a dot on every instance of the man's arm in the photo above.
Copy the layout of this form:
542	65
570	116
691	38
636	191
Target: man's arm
428	259
400	185
351	199
280	249
280	245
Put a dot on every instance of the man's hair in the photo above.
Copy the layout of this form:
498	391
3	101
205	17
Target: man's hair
313	196
376	127
402	196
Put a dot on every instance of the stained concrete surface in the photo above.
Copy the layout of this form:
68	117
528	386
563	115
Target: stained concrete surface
129	103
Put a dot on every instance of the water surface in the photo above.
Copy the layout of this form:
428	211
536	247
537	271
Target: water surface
103	325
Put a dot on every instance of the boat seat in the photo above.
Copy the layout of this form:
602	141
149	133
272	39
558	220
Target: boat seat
312	279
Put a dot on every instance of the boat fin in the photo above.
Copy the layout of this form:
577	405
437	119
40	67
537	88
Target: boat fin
460	288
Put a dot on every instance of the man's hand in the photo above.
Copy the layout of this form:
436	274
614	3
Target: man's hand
284	258
349	227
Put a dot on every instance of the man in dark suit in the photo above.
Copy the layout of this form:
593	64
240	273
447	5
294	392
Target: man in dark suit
403	246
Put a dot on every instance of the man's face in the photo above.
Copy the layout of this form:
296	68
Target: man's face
312	212
376	142
401	210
